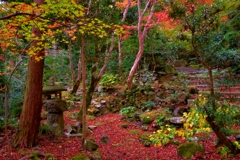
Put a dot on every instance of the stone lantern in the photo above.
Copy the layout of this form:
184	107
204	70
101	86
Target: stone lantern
55	107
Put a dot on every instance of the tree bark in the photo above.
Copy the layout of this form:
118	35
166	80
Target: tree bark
141	36
84	123
120	57
78	81
28	127
71	62
221	136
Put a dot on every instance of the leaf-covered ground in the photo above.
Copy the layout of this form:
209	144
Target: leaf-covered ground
122	144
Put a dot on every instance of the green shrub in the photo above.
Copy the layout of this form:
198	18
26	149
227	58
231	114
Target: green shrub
128	112
109	80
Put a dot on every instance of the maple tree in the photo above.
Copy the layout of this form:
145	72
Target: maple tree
51	19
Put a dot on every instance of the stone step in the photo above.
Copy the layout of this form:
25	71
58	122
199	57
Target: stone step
204	87
227	95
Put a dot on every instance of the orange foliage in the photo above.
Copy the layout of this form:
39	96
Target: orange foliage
54	25
122	5
127	30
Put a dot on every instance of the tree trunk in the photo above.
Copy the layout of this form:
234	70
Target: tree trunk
78	81
120	57
135	65
223	139
71	62
141	36
84	123
28	127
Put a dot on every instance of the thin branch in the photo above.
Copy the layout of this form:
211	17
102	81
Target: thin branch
107	58
148	20
89	6
126	10
16	14
146	7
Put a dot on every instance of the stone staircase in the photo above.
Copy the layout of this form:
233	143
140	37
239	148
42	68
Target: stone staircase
200	81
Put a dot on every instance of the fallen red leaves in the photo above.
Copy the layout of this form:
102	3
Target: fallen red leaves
122	145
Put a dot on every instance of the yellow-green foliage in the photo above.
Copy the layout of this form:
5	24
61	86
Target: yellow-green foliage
195	121
223	112
163	135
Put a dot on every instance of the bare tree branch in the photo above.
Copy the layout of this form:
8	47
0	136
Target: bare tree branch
126	10
16	14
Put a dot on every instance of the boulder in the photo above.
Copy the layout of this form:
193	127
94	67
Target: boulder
169	69
90	144
189	149
147	119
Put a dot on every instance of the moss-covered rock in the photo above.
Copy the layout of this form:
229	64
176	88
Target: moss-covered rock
134	131
169	69
96	156
80	157
180	63
196	66
90	144
146	118
124	125
190	149
93	111
145	139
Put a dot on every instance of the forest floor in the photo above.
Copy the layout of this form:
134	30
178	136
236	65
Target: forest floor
122	145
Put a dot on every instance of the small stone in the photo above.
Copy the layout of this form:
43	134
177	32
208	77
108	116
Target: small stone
96	156
68	128
104	139
103	102
238	138
100	89
193	139
177	120
92	127
98	105
144	127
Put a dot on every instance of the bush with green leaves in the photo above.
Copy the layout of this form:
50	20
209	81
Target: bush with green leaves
109	80
149	105
163	117
163	136
128	112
